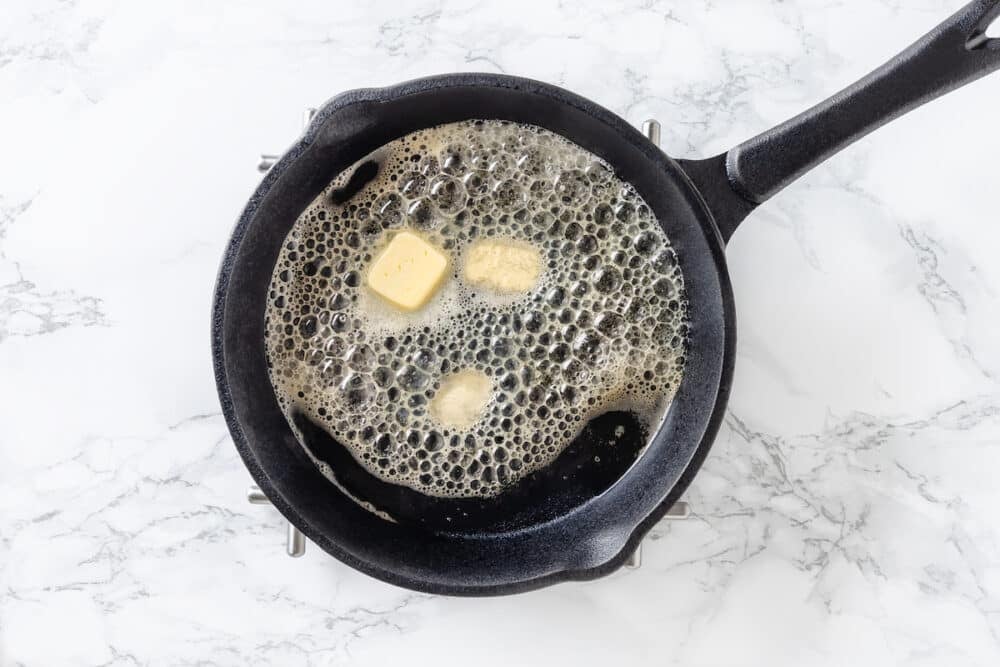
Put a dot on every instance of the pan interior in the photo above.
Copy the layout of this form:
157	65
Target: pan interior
590	354
581	542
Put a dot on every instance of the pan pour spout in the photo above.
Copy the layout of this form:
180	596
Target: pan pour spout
956	52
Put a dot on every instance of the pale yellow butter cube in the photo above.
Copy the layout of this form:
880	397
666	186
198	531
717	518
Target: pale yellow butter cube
503	265
460	401
408	272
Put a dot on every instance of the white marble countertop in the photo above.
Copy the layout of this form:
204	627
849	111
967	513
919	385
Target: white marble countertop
847	515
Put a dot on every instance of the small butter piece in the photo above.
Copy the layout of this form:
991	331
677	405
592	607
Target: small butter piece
460	401
503	265
408	272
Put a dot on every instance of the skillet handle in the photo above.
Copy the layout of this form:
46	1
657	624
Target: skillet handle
951	55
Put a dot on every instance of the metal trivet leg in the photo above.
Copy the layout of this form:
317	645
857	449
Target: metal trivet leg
679	510
295	545
267	160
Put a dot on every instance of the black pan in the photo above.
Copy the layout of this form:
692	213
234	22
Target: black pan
545	529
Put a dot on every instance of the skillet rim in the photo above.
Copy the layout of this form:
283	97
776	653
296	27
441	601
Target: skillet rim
706	225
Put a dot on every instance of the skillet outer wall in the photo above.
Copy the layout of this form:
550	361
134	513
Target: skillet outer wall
713	334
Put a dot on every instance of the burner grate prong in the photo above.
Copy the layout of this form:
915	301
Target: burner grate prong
295	544
679	510
651	128
268	160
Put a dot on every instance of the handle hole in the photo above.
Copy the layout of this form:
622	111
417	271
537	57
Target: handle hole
983	40
987	32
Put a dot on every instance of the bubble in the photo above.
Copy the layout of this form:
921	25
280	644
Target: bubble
382	444
559	352
402	416
531	162
645	242
587	244
389	210
338	302
587	346
433	441
475	183
606	279
360	357
664	288
340	322
509	195
423	358
534	321
555	296
625	212
382	376
356	391
452	161
574	371
610	323
420	214
411	378
308	326
428	165
502	347
598	174
448	194
315	357
330	371
664	261
604	214
572	187
499	166
508	382
334	347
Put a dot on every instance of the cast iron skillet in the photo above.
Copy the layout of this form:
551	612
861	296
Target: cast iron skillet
546	530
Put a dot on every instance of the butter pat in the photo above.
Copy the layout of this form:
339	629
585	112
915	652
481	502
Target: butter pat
408	272
503	265
460	401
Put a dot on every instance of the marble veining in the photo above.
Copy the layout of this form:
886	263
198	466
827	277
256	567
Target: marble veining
846	516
